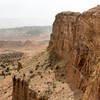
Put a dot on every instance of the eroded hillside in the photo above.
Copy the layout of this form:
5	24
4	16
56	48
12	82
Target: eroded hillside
15	49
69	68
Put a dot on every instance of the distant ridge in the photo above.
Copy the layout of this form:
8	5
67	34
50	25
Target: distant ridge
24	31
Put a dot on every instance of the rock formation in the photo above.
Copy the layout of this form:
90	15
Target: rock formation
93	88
76	40
19	66
21	91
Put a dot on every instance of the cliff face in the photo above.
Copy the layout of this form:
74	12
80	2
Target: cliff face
64	31
76	38
21	91
93	88
72	30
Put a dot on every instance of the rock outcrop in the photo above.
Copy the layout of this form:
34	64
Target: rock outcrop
21	91
93	88
76	38
75	43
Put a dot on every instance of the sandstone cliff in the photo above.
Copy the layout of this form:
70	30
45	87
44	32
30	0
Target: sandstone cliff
73	56
93	88
76	38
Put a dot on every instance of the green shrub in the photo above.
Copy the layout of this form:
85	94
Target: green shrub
7	70
57	67
3	66
32	76
37	65
2	73
31	71
39	73
9	73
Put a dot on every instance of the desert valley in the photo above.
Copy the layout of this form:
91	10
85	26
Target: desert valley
17	44
58	62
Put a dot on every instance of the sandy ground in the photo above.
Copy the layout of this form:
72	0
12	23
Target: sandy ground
38	45
45	80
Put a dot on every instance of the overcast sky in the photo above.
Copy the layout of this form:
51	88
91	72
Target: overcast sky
38	12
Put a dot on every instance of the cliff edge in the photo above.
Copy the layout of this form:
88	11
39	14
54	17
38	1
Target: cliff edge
72	59
76	38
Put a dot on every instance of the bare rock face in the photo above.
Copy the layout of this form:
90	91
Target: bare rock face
62	37
19	66
76	38
93	89
21	91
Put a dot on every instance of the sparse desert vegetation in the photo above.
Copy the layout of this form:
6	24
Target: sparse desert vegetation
62	66
14	50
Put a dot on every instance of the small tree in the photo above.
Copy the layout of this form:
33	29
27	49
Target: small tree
3	66
37	65
3	74
31	71
7	70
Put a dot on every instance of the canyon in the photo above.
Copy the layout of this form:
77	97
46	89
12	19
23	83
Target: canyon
69	69
17	45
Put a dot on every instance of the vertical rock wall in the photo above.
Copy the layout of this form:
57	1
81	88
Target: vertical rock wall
76	38
21	91
64	32
70	41
93	88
